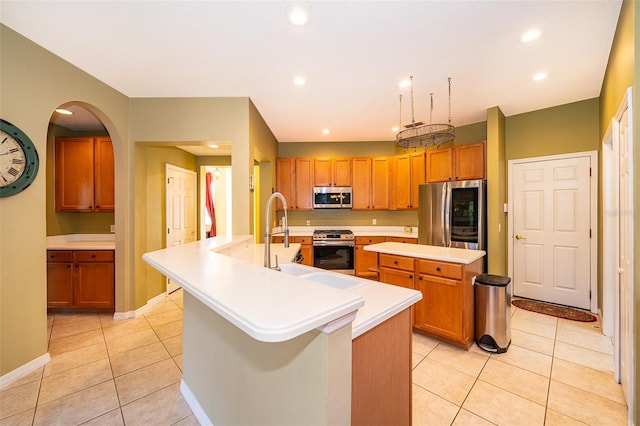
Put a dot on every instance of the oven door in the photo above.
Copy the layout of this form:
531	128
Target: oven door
334	257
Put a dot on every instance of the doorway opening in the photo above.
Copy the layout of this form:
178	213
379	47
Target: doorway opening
217	220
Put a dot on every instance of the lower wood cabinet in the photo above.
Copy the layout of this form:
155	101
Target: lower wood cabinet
366	262
81	279
306	247
446	310
381	374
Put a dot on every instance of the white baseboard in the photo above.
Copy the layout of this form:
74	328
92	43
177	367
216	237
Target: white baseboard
23	370
141	310
193	403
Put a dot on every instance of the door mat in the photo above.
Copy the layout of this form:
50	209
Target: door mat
554	310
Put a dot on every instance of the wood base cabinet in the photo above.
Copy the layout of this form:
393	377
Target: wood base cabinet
381	374
366	262
81	279
446	309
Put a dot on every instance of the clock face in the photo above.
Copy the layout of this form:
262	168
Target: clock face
18	160
12	160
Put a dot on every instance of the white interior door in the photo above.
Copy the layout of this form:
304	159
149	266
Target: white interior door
552	217
180	209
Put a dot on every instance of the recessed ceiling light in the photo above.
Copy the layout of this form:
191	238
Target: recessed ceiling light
531	35
540	76
213	145
395	129
63	111
325	131
404	84
298	16
299	81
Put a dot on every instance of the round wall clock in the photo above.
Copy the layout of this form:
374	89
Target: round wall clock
18	160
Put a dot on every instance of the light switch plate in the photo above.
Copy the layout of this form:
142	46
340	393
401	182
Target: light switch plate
112	228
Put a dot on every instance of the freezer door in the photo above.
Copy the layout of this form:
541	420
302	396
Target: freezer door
431	214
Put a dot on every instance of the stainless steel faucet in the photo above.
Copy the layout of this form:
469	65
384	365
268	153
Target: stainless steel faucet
268	234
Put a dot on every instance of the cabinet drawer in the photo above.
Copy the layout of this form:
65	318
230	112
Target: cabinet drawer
397	262
405	240
300	240
59	256
369	240
440	269
94	255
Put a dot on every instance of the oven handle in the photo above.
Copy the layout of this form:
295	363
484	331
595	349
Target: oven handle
334	243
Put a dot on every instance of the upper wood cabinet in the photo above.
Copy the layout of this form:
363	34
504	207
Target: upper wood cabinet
371	185
294	180
332	172
460	162
409	173
84	175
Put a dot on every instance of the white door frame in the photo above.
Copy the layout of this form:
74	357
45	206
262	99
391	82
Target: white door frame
612	285
593	224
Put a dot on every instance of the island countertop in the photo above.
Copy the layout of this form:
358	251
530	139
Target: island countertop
445	254
227	275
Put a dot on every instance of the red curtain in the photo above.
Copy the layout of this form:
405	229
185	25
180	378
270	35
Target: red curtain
210	209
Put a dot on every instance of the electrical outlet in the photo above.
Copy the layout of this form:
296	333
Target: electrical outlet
308	222
112	228
373	221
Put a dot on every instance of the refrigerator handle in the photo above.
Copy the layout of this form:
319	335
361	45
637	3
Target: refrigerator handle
446	226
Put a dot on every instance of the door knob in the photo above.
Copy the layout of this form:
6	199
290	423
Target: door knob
520	237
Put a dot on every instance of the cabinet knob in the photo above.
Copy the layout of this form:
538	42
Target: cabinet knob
68	266
395	262
438	268
411	276
93	256
420	278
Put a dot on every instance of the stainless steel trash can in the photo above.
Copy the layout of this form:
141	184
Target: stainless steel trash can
493	312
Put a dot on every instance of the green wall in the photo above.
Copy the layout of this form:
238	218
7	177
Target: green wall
496	193
562	129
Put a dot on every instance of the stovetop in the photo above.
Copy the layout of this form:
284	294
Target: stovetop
340	234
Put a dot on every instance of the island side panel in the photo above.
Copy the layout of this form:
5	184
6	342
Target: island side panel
239	380
382	374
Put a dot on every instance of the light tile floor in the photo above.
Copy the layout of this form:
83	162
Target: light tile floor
106	372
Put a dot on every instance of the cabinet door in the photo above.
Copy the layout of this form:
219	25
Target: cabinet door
380	183
440	310
342	172
439	165
403	182
361	197
74	164
469	161
285	178
104	176
365	262
396	277
418	177
59	284
322	175
94	284
304	184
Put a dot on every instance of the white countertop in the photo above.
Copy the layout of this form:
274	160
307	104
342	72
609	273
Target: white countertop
226	274
445	254
81	242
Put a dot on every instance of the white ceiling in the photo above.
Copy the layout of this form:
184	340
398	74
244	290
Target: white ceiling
352	54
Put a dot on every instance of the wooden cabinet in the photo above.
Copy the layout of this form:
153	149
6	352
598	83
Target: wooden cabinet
294	180
332	172
381	374
81	279
59	278
406	240
84	175
366	262
397	270
447	306
371	183
409	173
460	162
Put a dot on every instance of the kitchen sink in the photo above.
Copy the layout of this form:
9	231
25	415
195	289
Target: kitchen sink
331	279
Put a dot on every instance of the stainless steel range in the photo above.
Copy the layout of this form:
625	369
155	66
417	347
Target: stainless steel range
334	250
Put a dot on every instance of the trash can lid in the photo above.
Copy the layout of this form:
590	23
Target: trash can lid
494	280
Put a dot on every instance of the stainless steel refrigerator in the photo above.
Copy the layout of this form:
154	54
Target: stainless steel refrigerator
453	214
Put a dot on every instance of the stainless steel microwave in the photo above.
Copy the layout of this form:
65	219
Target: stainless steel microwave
332	197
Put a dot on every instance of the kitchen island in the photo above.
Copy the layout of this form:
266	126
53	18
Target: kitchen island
444	276
262	346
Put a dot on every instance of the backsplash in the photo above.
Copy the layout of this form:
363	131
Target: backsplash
342	217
